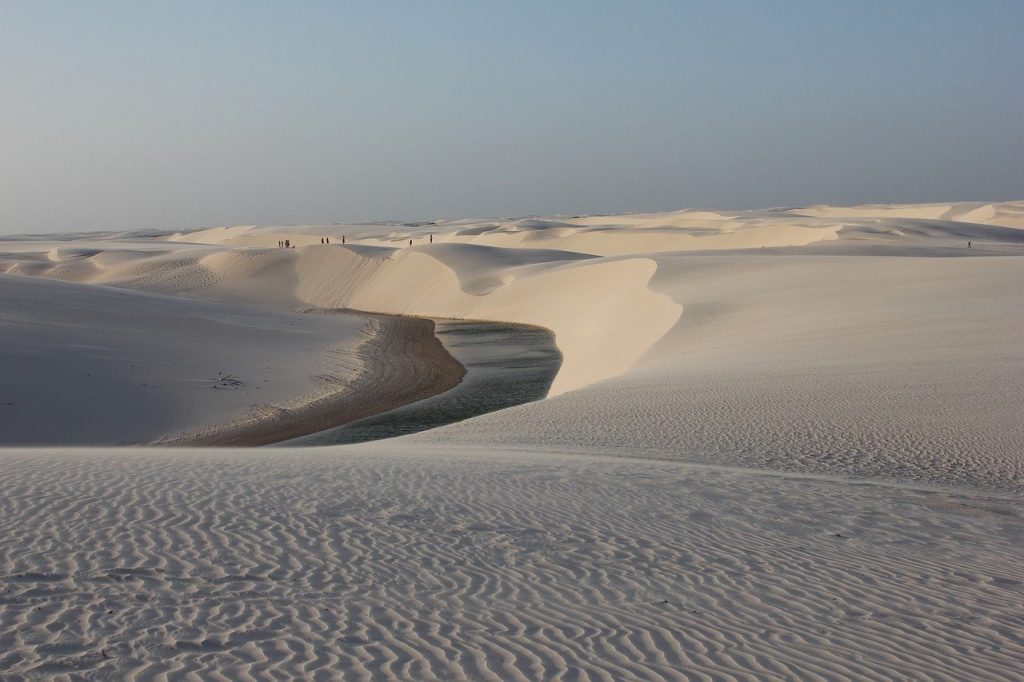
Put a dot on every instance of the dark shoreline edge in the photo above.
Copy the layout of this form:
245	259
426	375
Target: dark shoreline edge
507	364
403	362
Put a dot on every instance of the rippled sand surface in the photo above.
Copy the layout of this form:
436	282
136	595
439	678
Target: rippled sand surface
447	565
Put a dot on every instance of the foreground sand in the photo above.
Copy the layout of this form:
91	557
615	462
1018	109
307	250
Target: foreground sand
690	501
387	563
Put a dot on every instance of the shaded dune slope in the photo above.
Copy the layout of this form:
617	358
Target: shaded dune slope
401	362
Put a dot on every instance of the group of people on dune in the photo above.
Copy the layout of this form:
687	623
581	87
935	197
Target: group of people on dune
287	243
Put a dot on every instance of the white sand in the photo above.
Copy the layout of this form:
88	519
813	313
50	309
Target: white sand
686	505
95	365
439	564
886	366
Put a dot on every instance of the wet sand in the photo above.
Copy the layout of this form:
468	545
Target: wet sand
506	365
403	362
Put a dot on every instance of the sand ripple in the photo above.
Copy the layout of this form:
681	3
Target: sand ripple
388	565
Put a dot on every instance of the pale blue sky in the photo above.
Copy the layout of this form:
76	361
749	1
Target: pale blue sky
117	115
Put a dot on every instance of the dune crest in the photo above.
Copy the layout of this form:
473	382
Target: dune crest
594	342
584	277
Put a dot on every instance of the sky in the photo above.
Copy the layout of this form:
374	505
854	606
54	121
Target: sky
181	114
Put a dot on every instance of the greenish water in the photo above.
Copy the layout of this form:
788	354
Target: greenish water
506	365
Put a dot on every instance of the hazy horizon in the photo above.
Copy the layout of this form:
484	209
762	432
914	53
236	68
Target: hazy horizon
119	116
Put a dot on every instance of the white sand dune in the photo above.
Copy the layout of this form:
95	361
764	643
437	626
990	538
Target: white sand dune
907	367
783	444
96	365
528	286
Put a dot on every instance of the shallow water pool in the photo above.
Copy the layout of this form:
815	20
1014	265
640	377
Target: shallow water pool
506	365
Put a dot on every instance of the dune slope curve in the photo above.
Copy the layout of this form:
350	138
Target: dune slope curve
602	312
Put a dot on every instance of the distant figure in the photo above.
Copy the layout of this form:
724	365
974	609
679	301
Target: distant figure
342	239
328	239
410	242
321	240
968	245
431	239
287	243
